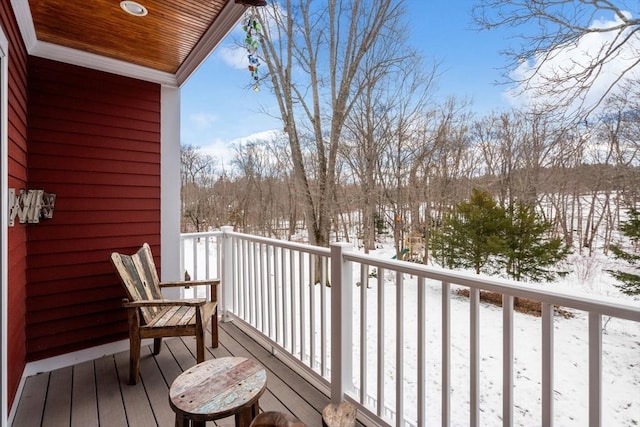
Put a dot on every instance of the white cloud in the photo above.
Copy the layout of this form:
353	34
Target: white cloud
223	150
572	60
266	135
203	120
218	149
234	56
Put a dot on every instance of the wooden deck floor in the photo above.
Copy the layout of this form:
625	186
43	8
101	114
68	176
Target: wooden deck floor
96	393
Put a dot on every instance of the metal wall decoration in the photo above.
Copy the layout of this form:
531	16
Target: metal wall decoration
30	206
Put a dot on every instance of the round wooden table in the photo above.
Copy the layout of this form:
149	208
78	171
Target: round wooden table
218	388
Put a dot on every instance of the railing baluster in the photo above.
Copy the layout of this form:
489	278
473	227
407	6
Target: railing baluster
474	366
207	252
269	286
422	352
262	302
285	286
323	317
219	257
312	311
380	310
194	248
257	288
251	272
243	281
446	354
595	369
507	360
399	349
277	281
292	301
235	276
183	267
364	280
547	365
301	307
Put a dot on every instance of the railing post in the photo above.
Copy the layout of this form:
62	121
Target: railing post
341	322
226	275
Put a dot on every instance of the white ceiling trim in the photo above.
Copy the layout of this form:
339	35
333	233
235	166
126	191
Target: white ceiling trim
101	63
25	22
225	22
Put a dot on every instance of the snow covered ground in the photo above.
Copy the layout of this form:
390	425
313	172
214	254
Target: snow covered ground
621	355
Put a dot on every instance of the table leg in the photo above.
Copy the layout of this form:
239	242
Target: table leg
244	417
181	421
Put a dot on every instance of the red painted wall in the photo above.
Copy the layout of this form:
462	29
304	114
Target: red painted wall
17	173
94	140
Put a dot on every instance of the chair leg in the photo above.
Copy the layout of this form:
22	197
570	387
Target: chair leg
200	346
134	358
134	345
214	329
157	344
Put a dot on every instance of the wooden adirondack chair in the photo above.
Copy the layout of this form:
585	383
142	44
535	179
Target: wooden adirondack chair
152	316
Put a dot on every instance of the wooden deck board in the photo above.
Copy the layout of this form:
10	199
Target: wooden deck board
110	405
97	392
84	406
157	389
57	410
32	401
135	399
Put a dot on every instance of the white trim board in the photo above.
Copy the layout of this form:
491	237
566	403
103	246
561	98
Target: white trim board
4	221
170	187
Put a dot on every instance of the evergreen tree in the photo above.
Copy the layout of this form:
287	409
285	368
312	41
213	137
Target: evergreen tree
630	281
528	252
472	234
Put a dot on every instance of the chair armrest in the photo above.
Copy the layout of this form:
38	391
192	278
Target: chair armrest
195	302
211	282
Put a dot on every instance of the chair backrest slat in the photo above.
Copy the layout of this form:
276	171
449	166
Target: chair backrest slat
139	277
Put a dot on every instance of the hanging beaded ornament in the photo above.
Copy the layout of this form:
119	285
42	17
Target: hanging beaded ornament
252	29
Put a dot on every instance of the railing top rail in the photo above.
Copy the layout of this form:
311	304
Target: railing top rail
215	233
603	305
315	250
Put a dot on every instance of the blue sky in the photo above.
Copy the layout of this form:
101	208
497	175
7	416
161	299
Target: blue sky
218	107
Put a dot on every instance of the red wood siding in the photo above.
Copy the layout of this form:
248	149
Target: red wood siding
17	173
94	140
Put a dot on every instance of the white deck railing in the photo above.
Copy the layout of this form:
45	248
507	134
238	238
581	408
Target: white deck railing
326	311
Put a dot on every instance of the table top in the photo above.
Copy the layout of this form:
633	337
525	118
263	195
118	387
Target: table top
218	387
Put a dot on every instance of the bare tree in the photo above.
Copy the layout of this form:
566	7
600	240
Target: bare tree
197	176
549	29
387	111
314	51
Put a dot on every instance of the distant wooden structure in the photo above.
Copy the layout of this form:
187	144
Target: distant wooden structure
414	248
